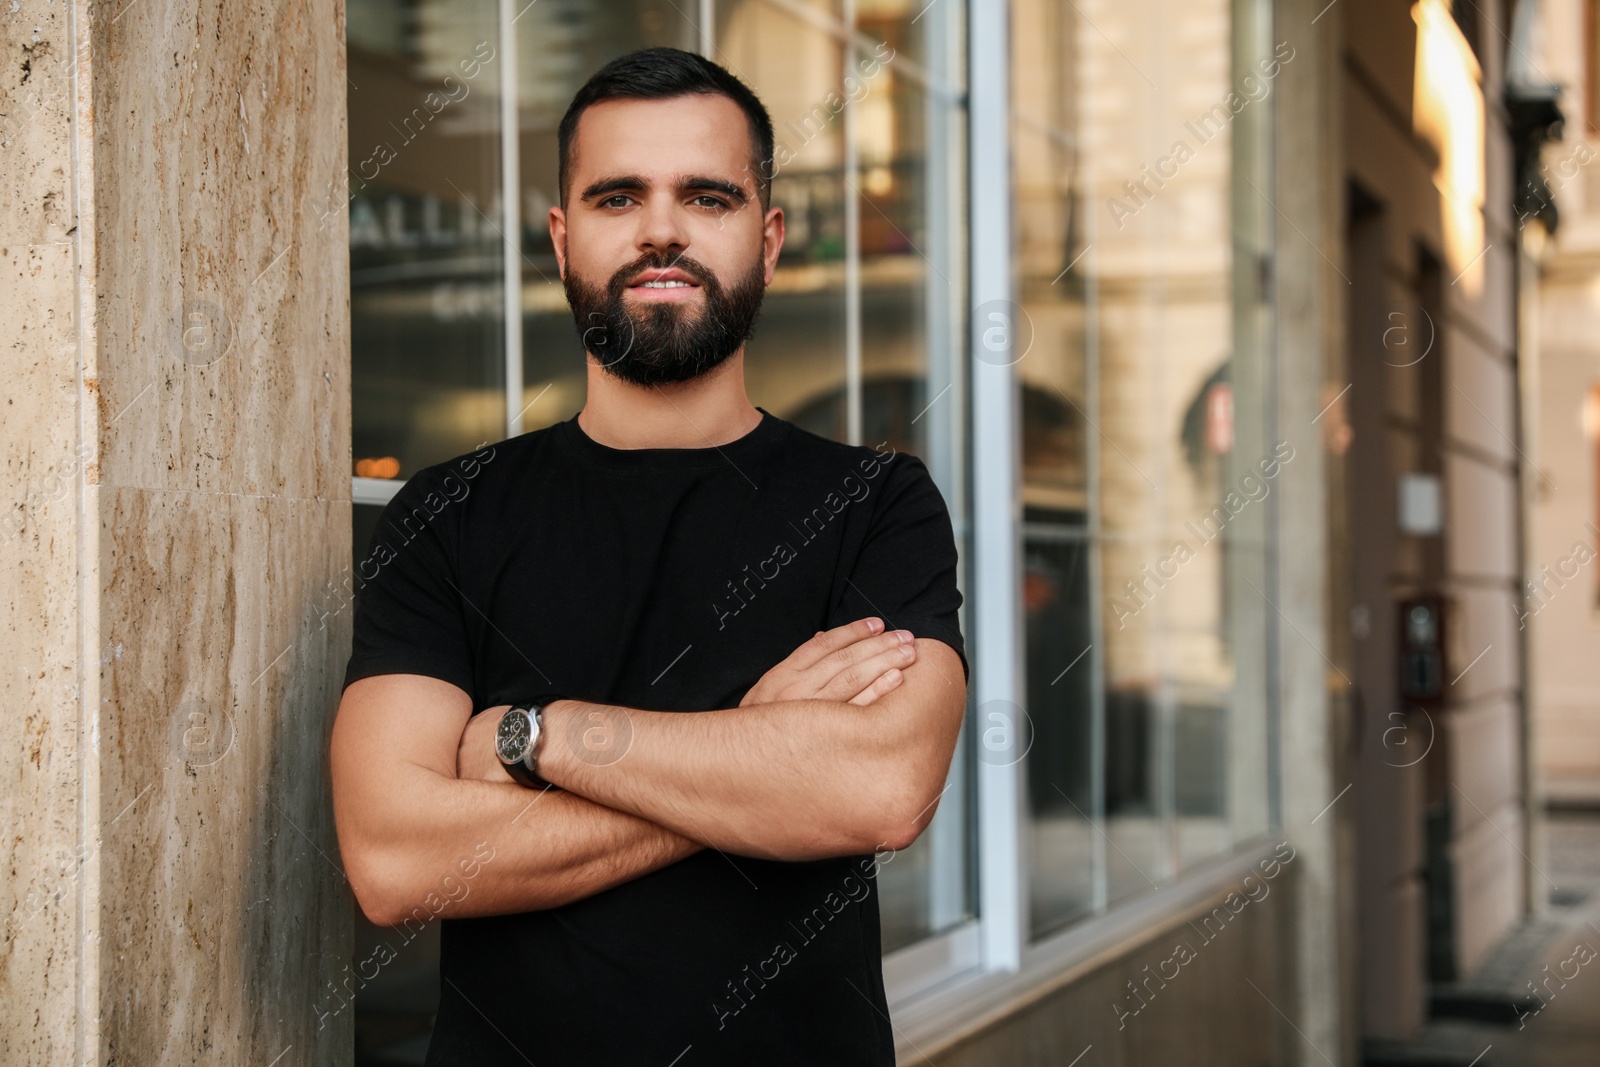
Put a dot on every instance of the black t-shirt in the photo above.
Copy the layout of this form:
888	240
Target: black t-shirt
667	579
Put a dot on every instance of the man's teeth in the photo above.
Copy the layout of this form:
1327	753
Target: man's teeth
666	285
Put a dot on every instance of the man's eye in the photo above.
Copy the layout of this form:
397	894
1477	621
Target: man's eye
619	200
711	203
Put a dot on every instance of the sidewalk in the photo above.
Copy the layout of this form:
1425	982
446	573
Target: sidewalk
1559	954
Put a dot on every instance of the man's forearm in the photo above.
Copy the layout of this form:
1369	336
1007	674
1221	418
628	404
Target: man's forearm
792	780
548	848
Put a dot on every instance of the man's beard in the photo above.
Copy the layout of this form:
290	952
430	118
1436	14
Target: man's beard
669	341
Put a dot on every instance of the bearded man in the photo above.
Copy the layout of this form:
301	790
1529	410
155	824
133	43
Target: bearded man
640	702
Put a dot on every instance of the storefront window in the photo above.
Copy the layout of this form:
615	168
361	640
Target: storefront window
1148	464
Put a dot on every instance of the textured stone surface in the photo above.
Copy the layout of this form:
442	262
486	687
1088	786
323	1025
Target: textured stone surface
40	478
228	890
173	515
40	628
223	309
35	117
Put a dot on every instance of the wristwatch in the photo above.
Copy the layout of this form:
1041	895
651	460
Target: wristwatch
518	742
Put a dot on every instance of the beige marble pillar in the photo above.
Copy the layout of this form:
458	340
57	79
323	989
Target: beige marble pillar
176	520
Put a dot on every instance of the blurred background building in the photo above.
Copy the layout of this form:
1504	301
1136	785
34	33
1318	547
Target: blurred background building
1562	405
1251	342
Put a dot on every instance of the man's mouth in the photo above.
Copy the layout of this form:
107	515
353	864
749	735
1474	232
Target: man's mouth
669	284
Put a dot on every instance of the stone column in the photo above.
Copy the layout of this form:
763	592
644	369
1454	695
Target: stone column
176	523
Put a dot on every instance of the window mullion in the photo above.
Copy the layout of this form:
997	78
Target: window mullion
852	248
996	495
511	214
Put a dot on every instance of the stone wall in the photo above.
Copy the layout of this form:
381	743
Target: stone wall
176	479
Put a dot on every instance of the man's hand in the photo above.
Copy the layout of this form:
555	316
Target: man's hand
855	663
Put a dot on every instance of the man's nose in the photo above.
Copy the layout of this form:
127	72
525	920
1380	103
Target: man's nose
661	226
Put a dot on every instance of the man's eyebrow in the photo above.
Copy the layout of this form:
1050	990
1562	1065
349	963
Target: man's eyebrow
689	183
713	185
614	185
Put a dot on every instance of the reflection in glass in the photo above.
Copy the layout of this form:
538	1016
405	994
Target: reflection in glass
793	56
427	358
1143	407
889	189
1061	779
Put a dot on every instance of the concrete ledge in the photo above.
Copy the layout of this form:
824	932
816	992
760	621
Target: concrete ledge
963	1008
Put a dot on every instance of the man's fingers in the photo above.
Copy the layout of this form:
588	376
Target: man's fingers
885	682
860	676
843	663
838	662
827	642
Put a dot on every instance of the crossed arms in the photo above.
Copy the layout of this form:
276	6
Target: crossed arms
842	748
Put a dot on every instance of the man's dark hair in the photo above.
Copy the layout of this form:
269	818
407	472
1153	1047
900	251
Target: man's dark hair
660	74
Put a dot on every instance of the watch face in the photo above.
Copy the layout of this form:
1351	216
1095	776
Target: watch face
511	740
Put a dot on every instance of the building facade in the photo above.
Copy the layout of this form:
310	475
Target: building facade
1432	487
1559	608
1204	317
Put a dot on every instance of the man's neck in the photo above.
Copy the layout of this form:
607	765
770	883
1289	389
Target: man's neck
711	410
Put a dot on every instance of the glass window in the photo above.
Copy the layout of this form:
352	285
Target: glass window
1138	147
794	57
426	321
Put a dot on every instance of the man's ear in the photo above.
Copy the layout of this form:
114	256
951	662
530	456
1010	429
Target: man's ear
558	238
772	240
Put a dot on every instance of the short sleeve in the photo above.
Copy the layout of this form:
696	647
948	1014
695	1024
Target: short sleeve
906	569
408	615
